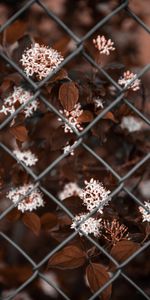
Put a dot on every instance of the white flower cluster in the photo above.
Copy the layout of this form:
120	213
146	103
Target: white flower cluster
126	79
104	46
70	189
19	96
89	226
145	213
30	202
131	124
68	148
40	60
94	194
27	157
72	117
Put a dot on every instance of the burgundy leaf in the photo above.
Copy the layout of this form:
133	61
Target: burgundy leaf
32	221
70	257
98	276
68	95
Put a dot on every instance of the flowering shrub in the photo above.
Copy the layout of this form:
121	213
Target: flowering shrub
19	96
26	157
126	79
29	202
94	195
89	226
72	117
68	149
70	189
74	160
40	60
103	46
145	212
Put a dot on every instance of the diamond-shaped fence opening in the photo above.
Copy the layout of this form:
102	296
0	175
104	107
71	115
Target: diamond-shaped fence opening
82	142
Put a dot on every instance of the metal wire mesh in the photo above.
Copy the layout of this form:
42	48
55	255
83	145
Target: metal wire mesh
36	87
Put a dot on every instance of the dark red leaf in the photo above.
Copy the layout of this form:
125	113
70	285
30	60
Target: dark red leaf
122	250
48	220
61	45
68	95
13	274
20	133
85	117
110	116
14	215
15	31
98	276
32	221
70	257
9	81
59	76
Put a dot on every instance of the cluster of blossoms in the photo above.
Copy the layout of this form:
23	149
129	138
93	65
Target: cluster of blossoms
27	157
114	232
131	124
68	148
30	202
126	79
104	46
72	117
70	189
94	195
89	226
144	212
19	96
40	60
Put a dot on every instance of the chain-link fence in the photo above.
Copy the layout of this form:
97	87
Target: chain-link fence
36	87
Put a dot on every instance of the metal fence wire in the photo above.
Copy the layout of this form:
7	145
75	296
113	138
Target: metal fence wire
36	87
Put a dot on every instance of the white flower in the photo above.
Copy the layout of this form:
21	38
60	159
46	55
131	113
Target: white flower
89	226
126	79
30	202
70	189
145	213
98	103
40	60
30	108
27	157
19	96
131	124
46	287
72	117
104	46
94	194
5	110
68	148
